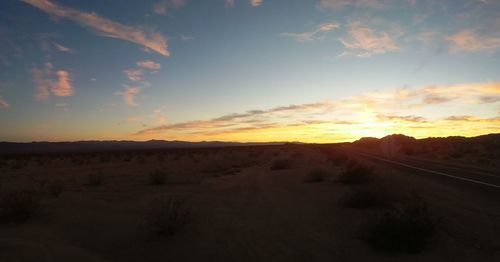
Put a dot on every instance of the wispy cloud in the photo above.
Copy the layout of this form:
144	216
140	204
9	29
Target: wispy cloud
128	95
161	7
471	40
134	74
256	3
60	83
408	118
149	64
186	38
105	27
62	48
366	42
337	4
3	103
319	33
42	81
229	3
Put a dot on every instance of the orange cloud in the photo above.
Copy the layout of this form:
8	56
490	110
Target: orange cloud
470	40
366	42
105	27
149	64
3	103
255	3
63	85
45	83
134	74
128	95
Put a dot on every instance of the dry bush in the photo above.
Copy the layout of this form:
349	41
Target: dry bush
366	198
167	216
18	206
94	179
407	229
55	188
356	173
316	175
280	164
157	178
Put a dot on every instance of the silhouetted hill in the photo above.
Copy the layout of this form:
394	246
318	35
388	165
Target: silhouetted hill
484	146
90	146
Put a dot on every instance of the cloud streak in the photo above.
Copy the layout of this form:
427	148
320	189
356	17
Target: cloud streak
161	7
62	48
149	64
319	33
105	27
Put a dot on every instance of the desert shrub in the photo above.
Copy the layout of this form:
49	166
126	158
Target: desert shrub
279	164
17	165
157	178
365	198
403	230
356	173
17	206
94	180
316	175
167	216
55	188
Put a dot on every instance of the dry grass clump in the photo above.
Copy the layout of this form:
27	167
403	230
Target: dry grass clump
356	173
407	229
280	164
316	175
55	188
167	216
17	206
94	180
157	178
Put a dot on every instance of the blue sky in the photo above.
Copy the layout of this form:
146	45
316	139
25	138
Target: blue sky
318	70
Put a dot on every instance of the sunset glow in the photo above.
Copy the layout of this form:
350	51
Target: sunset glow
240	70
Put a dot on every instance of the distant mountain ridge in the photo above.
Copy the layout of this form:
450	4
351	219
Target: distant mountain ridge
96	145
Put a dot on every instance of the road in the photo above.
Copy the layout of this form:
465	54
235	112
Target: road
461	173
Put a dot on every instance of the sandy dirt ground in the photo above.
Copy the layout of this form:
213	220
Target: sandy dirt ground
240	209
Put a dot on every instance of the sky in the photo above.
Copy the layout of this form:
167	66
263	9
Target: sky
248	70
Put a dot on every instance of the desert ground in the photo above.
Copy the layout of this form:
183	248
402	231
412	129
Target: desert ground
287	202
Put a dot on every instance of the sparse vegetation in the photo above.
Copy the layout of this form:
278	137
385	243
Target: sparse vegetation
356	173
404	230
55	188
316	175
280	164
17	206
167	216
94	180
157	178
